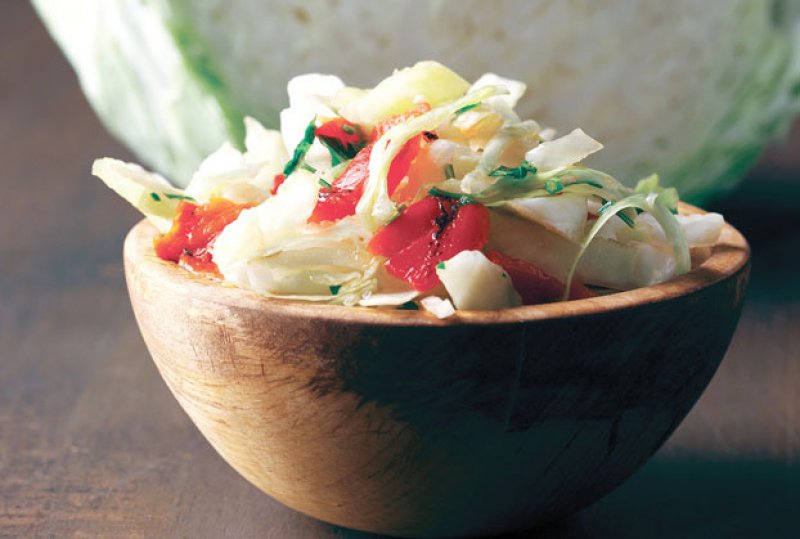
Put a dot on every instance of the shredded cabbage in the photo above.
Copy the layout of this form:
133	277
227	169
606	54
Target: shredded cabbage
146	191
270	250
561	152
375	207
544	206
241	176
657	208
474	282
397	93
438	307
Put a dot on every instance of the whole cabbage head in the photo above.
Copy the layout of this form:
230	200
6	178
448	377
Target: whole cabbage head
691	89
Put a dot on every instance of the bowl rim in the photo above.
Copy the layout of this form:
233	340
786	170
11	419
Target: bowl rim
730	255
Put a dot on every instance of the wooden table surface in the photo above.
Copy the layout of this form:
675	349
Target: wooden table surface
93	444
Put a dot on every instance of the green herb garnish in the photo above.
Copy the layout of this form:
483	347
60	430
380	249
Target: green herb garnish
325	184
337	156
399	210
463	200
440	265
308	168
341	152
155	197
553	187
335	289
594	184
302	148
624	217
518	173
449	172
179	197
465	108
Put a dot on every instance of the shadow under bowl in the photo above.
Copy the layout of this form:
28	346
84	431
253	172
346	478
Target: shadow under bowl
398	423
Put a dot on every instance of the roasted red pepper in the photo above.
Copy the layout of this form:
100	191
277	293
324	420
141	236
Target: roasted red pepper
534	285
341	199
342	137
193	230
334	204
277	181
402	162
433	230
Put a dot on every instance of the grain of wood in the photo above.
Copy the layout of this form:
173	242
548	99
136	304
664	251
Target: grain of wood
400	423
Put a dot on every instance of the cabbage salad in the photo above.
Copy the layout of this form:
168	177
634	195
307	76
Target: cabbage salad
424	191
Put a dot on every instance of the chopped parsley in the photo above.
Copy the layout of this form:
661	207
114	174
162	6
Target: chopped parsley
302	148
178	197
335	289
553	186
595	184
449	172
518	173
337	156
308	168
624	217
339	149
465	108
440	265
399	209
606	204
463	200
155	197
627	219
325	184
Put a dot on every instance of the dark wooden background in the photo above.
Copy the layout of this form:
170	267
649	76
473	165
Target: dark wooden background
93	444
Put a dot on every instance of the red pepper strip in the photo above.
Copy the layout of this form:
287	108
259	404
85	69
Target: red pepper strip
335	204
415	221
341	199
433	230
200	262
356	173
343	136
277	182
193	230
386	124
402	162
533	284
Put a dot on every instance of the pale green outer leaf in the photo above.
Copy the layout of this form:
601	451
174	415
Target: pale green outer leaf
689	88
145	75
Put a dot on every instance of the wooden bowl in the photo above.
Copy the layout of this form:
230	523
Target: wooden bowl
398	423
